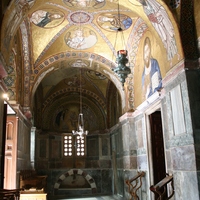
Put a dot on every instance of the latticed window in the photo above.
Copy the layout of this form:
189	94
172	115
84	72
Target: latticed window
73	145
80	146
68	145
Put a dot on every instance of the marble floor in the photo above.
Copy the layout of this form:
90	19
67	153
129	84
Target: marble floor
95	198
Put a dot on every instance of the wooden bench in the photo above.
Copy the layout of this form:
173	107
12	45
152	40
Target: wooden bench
134	188
160	189
30	179
10	194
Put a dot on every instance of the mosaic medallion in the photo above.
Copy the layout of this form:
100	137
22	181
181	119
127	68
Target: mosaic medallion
80	17
111	22
47	18
83	38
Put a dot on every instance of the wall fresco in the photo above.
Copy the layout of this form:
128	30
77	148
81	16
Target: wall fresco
151	75
149	69
160	20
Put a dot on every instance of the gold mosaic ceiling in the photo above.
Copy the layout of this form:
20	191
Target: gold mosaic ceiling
63	36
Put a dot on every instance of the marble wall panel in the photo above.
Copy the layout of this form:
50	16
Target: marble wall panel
106	181
92	146
168	160
185	184
139	133
105	164
183	158
142	163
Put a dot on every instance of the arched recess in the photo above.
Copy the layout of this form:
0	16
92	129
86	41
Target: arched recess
94	62
61	115
74	172
55	103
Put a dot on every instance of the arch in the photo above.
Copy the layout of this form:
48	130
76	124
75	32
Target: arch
67	55
63	91
80	172
41	70
93	108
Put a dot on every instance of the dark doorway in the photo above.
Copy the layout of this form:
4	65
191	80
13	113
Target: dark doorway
158	154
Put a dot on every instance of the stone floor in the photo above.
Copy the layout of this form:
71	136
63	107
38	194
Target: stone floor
95	198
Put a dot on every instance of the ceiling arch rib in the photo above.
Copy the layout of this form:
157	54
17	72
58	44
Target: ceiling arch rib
26	61
85	92
72	55
87	60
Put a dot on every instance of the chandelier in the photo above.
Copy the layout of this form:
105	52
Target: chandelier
121	69
80	127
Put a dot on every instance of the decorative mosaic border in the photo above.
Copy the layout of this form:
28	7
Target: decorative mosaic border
27	67
133	43
10	79
69	54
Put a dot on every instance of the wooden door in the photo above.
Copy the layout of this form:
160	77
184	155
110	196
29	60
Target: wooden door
10	164
158	155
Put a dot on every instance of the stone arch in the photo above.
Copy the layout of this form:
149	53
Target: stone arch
80	172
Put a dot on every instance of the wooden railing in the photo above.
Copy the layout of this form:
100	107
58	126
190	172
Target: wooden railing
161	189
135	186
13	194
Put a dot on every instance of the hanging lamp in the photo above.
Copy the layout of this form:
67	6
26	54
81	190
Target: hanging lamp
80	127
121	69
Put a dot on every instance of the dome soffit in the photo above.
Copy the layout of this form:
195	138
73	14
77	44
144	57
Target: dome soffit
52	37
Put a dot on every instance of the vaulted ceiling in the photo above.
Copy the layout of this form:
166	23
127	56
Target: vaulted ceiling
54	46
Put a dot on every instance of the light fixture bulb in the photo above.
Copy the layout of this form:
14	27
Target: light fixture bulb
5	96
